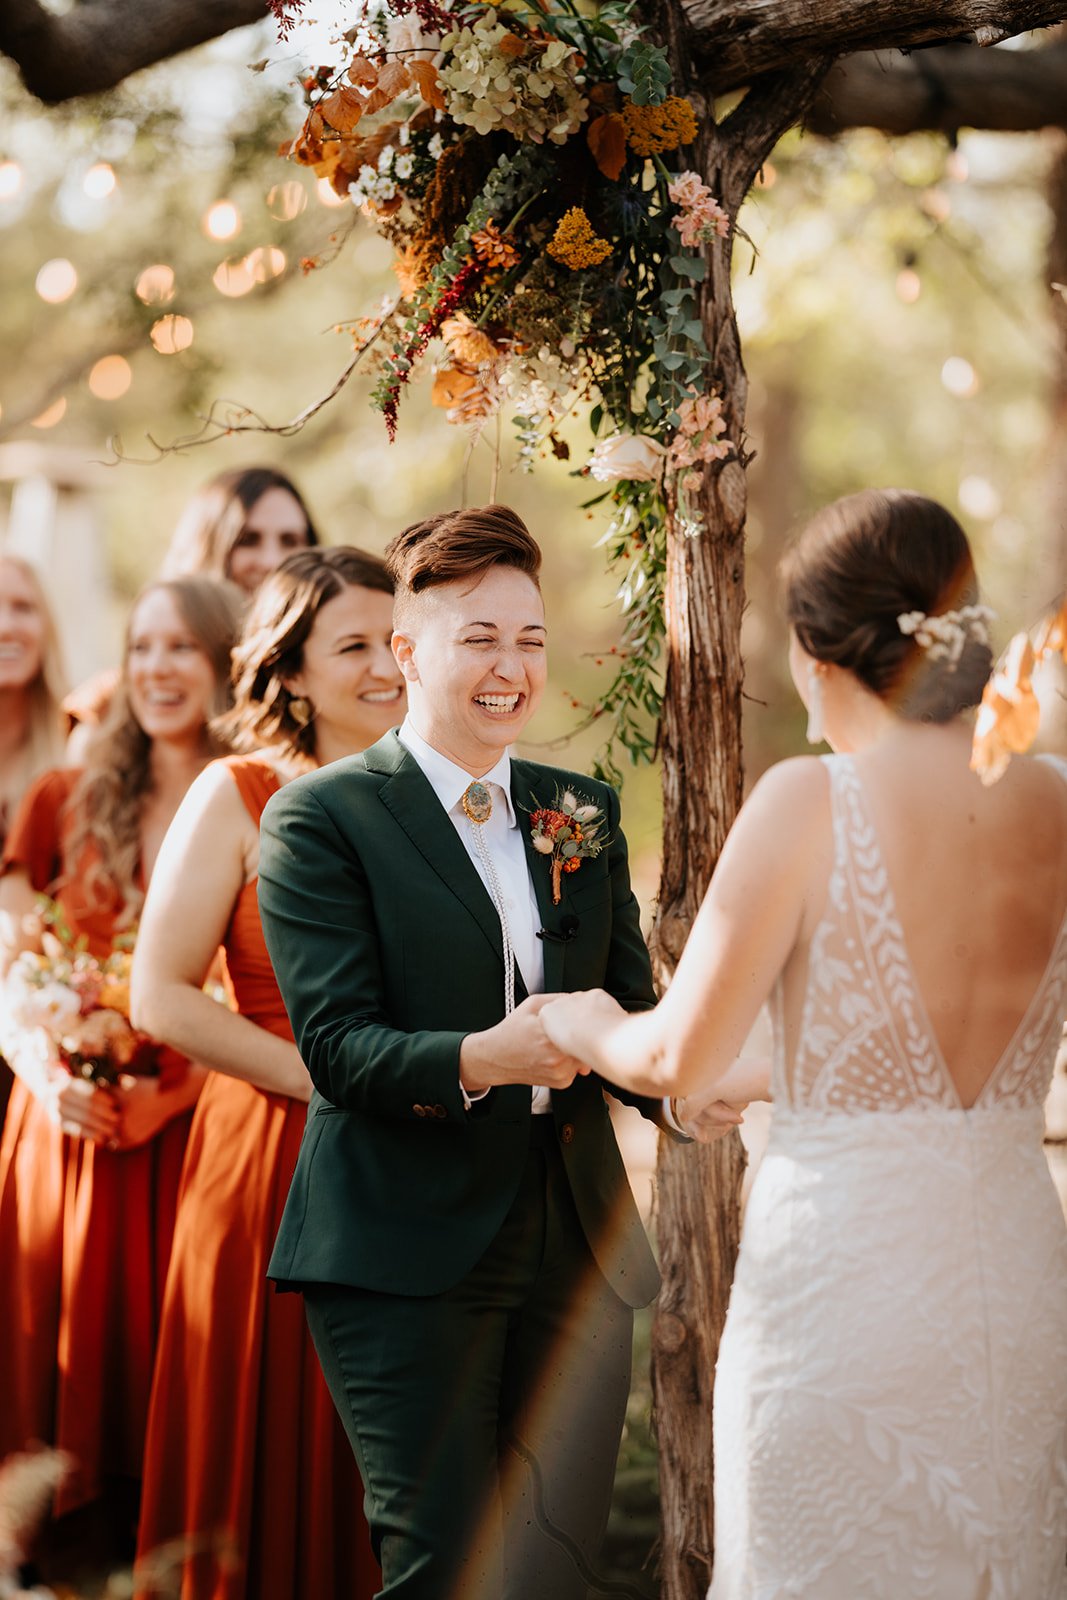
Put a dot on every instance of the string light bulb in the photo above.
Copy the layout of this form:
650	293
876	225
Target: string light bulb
10	179
222	220
51	415
287	200
57	280
155	285
100	181
110	378
172	334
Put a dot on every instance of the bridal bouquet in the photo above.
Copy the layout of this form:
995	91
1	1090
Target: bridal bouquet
80	1001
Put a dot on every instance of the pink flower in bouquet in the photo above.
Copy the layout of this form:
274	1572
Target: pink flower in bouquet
700	216
700	438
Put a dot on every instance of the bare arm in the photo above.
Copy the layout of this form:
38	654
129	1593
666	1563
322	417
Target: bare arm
742	937
208	855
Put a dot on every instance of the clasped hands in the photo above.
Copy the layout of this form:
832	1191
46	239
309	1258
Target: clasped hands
520	1050
121	1118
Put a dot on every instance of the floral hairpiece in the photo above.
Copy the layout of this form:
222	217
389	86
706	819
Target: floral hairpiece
944	636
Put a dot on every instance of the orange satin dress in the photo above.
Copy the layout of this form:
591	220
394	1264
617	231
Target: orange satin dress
85	1232
244	1445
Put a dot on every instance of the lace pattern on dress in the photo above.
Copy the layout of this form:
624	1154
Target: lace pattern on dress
865	1042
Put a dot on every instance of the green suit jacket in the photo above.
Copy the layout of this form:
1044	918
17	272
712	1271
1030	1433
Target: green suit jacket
388	950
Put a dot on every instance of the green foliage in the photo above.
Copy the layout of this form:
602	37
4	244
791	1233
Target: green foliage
644	73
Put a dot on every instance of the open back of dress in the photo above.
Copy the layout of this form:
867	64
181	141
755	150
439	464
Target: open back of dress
891	1393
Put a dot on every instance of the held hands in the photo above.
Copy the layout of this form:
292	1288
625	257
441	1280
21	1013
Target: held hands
707	1120
517	1050
573	1020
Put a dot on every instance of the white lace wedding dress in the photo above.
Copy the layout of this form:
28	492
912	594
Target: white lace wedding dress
891	1391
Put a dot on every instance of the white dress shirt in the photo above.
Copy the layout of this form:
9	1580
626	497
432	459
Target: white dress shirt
505	845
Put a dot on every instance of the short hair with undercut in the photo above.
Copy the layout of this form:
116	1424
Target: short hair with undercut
461	545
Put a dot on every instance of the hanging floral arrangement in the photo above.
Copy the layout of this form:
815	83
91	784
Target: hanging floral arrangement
526	163
1009	716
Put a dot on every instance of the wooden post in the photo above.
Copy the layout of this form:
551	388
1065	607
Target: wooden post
698	1188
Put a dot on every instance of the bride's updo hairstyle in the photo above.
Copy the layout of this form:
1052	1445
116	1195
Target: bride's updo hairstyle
862	563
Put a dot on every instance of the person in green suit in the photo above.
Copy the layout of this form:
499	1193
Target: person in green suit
460	1222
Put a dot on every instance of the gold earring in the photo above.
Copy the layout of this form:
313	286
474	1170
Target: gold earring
301	710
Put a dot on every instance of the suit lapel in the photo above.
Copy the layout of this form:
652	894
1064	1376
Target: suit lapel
409	796
526	800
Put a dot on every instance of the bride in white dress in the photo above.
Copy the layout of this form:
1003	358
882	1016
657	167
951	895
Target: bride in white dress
891	1390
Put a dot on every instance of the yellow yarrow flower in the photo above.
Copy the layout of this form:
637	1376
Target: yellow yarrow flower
574	243
650	130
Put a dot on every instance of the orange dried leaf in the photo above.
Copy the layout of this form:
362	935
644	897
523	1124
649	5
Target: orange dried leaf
604	95
343	109
362	72
367	151
393	79
1009	714
607	140
425	75
450	386
511	45
1052	639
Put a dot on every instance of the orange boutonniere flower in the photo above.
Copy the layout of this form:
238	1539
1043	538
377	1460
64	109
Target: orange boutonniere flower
568	832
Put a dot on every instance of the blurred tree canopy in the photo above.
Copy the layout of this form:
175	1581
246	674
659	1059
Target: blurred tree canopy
897	328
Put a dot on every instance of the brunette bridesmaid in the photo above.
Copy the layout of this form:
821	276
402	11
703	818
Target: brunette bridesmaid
245	1453
89	1175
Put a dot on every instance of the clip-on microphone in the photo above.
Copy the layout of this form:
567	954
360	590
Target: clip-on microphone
568	930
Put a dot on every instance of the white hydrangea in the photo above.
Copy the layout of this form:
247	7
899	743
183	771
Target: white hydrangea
541	384
535	95
371	184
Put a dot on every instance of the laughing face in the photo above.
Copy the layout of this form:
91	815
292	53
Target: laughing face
474	660
348	673
22	629
169	676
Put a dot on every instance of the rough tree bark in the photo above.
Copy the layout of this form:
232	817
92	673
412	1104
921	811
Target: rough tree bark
735	41
95	46
944	89
698	1187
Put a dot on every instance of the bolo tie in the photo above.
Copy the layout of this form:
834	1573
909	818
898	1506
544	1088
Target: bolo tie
477	803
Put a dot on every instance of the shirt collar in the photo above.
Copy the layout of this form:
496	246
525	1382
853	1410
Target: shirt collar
448	781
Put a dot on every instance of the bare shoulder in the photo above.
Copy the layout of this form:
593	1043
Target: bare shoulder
797	790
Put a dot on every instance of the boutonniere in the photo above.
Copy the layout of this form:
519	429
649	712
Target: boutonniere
568	832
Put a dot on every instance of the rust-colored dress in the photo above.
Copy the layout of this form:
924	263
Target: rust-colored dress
243	1439
85	1233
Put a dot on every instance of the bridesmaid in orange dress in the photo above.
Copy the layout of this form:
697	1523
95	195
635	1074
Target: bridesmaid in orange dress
89	1175
32	725
246	1460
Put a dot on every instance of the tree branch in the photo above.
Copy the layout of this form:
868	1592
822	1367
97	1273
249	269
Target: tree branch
736	41
944	89
94	46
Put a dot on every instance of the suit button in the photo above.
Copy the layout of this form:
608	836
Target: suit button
420	1111
439	1111
566	1133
